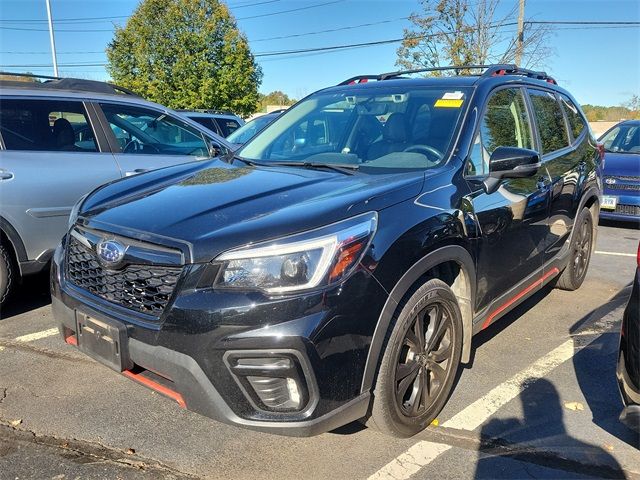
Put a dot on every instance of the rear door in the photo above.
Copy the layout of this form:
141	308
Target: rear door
53	153
514	219
563	158
144	138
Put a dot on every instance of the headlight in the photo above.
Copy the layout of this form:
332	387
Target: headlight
301	261
74	211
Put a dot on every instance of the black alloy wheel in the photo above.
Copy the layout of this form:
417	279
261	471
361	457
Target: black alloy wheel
420	361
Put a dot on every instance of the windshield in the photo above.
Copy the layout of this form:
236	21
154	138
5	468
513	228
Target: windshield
622	139
249	129
375	129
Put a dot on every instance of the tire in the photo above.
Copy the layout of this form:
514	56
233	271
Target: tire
580	253
6	274
406	403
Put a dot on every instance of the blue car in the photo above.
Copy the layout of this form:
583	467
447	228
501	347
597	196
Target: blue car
621	193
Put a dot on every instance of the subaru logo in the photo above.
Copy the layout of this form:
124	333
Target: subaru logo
110	252
610	181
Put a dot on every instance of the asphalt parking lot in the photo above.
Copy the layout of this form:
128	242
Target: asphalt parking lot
540	401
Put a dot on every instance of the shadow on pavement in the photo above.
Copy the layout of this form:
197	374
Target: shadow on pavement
542	427
595	368
33	293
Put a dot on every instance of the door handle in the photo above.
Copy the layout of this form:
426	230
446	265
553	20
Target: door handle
542	183
135	172
4	175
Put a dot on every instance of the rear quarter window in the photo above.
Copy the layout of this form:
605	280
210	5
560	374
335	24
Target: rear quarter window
227	126
576	122
550	121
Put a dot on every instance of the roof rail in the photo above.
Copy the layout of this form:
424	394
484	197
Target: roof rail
206	110
60	83
510	69
489	70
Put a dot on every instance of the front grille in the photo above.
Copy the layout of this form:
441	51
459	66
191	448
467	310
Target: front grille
623	186
628	209
626	178
142	288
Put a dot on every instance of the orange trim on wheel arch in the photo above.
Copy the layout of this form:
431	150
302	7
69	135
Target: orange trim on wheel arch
511	301
167	392
71	340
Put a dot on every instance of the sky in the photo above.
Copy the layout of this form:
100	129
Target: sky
597	65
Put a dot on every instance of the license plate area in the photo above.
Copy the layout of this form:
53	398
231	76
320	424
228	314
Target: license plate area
609	203
104	341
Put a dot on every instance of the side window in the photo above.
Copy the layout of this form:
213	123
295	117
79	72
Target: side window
505	124
576	122
144	131
550	121
228	126
46	125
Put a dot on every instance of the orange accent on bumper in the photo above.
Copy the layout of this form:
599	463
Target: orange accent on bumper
511	301
167	392
71	340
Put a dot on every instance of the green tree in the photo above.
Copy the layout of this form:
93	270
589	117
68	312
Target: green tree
186	54
275	98
460	32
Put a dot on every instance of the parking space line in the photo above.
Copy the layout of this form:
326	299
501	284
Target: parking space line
474	415
617	254
37	335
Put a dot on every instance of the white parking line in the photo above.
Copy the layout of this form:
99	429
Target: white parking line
474	415
617	254
37	335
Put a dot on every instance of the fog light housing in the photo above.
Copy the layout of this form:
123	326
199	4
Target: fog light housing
275	381
276	393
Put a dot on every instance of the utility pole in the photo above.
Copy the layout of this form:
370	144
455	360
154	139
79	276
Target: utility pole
520	39
53	40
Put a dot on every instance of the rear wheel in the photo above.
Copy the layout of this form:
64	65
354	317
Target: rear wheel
6	273
580	254
420	361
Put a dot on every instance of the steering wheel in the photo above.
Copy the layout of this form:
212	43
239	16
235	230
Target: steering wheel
134	146
425	149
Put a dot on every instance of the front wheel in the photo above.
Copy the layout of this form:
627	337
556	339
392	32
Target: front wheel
6	274
580	254
420	361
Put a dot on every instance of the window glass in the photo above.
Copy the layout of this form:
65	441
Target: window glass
144	131
505	124
576	122
228	126
207	123
388	127
550	121
249	129
48	125
624	138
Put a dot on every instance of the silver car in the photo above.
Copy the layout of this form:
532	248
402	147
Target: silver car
61	139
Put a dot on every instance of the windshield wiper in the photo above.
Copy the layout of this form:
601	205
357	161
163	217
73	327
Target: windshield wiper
347	169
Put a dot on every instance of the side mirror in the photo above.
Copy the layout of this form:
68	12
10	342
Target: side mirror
510	162
215	150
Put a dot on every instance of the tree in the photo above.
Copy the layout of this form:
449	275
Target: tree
275	98
186	54
456	32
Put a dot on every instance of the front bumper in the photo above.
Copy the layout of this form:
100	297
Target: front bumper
628	204
183	355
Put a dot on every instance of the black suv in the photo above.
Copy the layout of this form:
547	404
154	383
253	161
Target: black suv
337	267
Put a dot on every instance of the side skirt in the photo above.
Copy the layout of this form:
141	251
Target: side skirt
517	294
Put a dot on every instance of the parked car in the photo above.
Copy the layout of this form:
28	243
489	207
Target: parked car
629	356
337	267
621	195
64	137
222	123
252	127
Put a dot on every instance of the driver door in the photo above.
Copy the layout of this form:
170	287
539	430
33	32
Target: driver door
144	138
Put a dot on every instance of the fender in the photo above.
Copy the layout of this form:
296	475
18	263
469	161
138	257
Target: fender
444	254
14	238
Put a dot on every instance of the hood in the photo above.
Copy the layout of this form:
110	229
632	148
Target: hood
214	206
622	164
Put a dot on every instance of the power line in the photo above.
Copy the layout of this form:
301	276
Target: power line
299	9
581	22
339	29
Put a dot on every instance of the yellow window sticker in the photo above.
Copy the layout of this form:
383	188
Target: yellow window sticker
448	103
